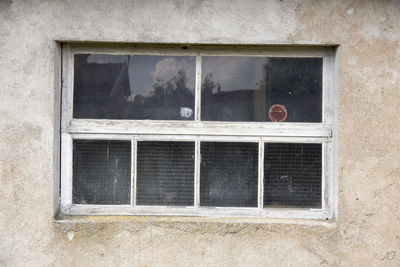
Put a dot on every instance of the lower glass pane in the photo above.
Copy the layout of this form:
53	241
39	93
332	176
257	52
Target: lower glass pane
101	172
165	173
292	175
229	174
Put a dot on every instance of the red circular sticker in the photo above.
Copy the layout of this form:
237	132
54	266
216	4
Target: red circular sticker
277	113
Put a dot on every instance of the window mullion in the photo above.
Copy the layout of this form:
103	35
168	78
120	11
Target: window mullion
261	175
133	171
197	101
197	174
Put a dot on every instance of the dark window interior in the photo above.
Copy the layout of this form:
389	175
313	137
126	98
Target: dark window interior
101	172
292	174
228	174
165	173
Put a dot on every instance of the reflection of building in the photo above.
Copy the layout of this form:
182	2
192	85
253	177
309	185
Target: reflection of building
99	89
103	91
238	105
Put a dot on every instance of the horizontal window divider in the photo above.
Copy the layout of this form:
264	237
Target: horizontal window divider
196	212
201	138
200	128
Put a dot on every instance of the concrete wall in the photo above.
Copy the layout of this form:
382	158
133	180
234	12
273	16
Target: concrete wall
368	222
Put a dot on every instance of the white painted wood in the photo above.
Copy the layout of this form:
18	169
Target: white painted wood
329	180
182	49
271	139
197	131
133	171
197	101
260	175
197	162
334	157
324	178
193	211
66	89
328	110
201	128
66	172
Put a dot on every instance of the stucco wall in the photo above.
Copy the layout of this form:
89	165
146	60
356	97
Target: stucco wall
368	154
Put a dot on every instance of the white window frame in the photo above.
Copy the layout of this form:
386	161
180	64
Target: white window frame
197	131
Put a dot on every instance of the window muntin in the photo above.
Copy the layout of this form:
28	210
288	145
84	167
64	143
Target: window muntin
198	132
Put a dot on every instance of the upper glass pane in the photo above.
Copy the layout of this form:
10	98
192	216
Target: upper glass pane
137	87
236	88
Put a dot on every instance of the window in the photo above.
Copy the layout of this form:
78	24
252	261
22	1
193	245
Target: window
197	131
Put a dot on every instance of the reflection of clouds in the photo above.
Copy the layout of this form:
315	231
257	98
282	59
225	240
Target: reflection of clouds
146	70
168	68
107	59
235	73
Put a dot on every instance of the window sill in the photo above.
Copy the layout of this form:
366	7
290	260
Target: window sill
63	219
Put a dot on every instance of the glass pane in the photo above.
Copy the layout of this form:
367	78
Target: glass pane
292	175
134	87
261	89
233	88
165	173
101	172
228	174
295	84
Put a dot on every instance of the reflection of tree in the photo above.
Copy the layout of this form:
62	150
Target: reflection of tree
208	85
173	93
300	76
295	83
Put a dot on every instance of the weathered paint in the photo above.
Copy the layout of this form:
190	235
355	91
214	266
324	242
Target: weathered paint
368	156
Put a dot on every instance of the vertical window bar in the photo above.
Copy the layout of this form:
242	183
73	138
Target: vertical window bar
260	176
66	170
327	89
133	171
323	178
326	185
67	87
197	160
198	89
329	156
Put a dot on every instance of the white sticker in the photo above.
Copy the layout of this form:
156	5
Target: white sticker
186	112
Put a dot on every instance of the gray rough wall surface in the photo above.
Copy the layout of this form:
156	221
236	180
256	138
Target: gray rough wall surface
368	225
